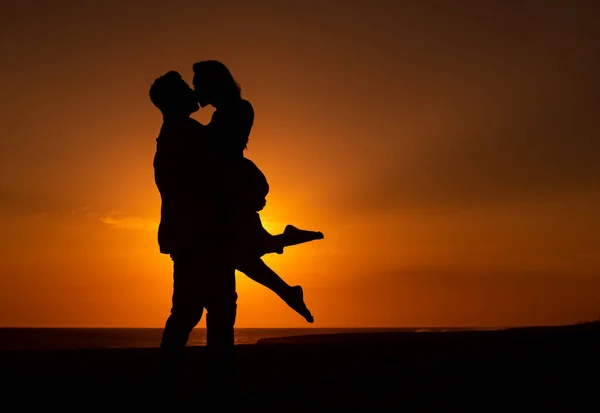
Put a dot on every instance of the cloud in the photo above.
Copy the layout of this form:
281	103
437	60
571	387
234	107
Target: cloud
29	202
122	221
34	205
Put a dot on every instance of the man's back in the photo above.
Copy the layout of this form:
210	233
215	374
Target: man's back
188	207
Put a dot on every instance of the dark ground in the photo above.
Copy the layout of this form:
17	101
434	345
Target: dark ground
540	369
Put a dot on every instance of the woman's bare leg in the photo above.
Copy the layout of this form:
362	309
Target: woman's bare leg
257	270
294	236
290	236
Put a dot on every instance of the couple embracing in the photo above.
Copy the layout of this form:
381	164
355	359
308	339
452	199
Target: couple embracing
210	224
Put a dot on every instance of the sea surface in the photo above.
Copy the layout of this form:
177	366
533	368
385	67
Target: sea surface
85	338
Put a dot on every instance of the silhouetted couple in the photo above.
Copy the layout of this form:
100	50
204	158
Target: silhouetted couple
210	223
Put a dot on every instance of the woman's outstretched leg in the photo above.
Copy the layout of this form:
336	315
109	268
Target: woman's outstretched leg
294	236
290	236
257	270
269	243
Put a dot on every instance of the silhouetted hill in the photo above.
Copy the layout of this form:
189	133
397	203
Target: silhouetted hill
433	335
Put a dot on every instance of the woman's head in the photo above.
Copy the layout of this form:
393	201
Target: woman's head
173	96
214	84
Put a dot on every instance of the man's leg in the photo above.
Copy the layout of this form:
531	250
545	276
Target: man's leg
221	306
186	312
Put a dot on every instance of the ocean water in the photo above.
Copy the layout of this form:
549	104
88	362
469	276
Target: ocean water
85	338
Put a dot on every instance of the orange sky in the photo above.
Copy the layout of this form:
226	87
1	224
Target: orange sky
448	150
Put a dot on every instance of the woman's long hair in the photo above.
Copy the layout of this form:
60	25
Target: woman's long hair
218	80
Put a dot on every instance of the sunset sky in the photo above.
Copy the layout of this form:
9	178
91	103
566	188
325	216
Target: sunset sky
449	151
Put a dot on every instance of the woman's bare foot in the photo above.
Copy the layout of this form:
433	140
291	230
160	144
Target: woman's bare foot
294	236
296	301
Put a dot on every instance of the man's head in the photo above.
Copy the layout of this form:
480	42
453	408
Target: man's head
173	96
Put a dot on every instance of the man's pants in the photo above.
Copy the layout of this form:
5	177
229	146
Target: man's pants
201	281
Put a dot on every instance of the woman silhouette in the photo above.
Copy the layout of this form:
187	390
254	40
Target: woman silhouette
228	132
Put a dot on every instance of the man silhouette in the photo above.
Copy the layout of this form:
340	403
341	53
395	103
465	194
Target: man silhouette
191	233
